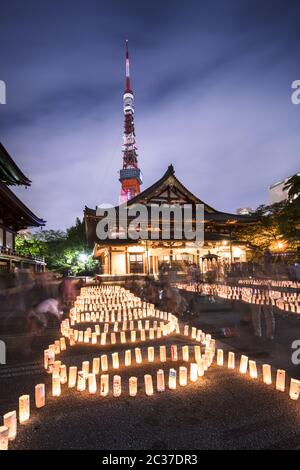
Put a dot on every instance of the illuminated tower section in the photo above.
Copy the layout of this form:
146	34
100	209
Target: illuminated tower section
130	174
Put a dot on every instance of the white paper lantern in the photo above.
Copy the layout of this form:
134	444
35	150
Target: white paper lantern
148	384
162	353
117	385
231	360
96	365
39	395
138	356
104	363
220	357
115	360
267	374
56	387
150	353
104	385
128	357
294	389
10	421
185	353
72	376
280	380
194	371
85	368
253	369
92	383
174	353
132	386
243	364
183	375
4	432
24	408
81	381
160	380
172	379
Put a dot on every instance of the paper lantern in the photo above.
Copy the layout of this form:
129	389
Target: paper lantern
183	375
150	353
133	336
148	384
174	353
72	376
243	364
280	380
57	346
39	395
115	360
128	357
186	330
194	332
294	389
92	383
172	379
194	371
85	368
24	408
197	353
94	338
63	346
220	357
133	386
131	325
113	338
80	336
160	380
63	374
231	360
104	363
253	369
162	353
123	337
200	364
56	386
151	333
143	335
185	353
10	421
117	385
81	381
103	339
4	432
56	368
46	356
96	365
267	375
104	385
138	355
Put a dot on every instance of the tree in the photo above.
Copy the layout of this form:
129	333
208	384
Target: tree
293	186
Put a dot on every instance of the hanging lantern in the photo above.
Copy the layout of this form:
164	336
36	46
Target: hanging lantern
231	360
185	353
243	364
133	386
10	421
96	365
39	395
24	408
267	374
162	353
294	389
104	385
160	380
150	353
92	383
4	432
220	357
115	360
148	384
172	379
280	380
138	356
72	376
183	375
104	363
81	381
56	387
194	371
174	353
253	369
117	385
128	357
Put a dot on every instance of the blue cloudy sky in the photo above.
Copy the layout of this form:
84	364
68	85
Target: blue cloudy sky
212	83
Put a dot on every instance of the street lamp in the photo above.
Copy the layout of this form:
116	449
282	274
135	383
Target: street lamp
83	258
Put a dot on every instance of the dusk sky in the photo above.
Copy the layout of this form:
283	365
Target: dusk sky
212	84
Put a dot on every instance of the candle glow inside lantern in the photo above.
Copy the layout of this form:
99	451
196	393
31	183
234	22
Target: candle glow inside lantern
85	368
115	360
220	357
96	365
162	353
128	357
81	381
72	376
117	385
94	338
132	386
10	421
56	368
103	339
92	383
24	408
253	369
243	364
113	338
267	374
183	375
185	353
39	395
160	376
56	387
138	356
104	363
148	384
63	374
143	335
280	380
4	432
294	389
194	371
104	385
150	353
172	379
174	353
133	336
231	360
197	353
123	337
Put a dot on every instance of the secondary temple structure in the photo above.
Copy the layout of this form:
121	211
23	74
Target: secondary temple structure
14	216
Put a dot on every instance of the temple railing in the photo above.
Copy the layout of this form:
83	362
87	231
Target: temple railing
4	250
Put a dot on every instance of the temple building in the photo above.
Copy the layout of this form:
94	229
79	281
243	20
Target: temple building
122	256
14	217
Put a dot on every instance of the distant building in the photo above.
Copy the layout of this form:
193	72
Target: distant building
244	211
276	191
